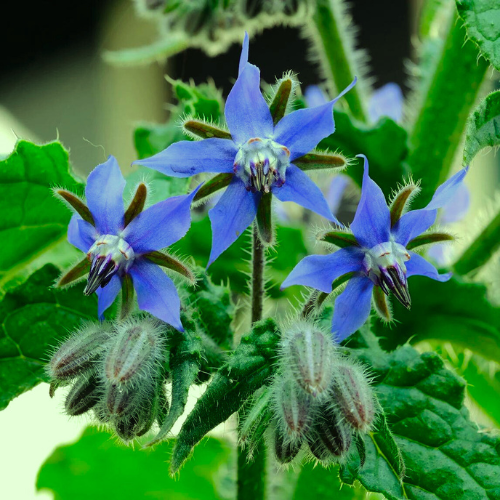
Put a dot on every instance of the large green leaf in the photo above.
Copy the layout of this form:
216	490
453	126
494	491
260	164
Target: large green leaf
34	317
483	126
99	467
454	311
482	20
384	144
446	455
34	221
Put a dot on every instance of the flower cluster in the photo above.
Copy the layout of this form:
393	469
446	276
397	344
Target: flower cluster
117	371
319	399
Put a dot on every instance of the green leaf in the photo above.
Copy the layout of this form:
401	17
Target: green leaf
482	20
246	370
34	221
384	144
445	454
454	311
97	466
483	126
151	138
449	95
199	101
34	317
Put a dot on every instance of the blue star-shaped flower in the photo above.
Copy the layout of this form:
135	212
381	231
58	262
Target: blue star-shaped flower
117	250
260	154
377	256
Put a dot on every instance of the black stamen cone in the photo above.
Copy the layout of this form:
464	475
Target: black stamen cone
395	284
100	274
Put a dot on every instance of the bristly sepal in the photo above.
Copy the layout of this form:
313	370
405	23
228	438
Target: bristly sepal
75	274
264	220
282	96
76	204
211	186
402	199
322	160
200	129
164	260
338	237
382	305
429	238
136	206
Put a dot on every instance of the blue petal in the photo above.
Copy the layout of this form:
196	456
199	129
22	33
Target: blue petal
352	307
456	209
418	266
156	293
104	193
386	101
234	212
247	113
314	96
187	158
446	191
372	222
299	188
319	271
416	222
302	130
437	253
244	54
107	295
160	225
81	234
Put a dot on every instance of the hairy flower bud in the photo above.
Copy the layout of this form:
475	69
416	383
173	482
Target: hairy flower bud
79	353
284	450
134	353
330	437
122	400
293	409
83	396
353	395
307	353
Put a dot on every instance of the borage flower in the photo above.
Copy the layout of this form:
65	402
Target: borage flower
266	152
377	257
122	247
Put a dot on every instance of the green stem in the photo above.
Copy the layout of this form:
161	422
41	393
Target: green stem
448	100
335	44
252	474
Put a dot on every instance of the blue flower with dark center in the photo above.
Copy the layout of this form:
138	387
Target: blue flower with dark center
259	154
376	257
124	245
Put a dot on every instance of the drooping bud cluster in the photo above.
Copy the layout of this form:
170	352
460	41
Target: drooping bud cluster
117	371
319	399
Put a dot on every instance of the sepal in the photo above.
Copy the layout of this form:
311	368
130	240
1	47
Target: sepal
401	201
137	204
321	161
284	92
264	220
76	204
341	239
164	260
213	185
428	239
78	271
199	129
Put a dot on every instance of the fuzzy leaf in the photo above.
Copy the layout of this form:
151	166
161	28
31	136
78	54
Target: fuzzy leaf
482	21
246	370
34	317
384	144
454	311
445	454
97	466
483	126
32	219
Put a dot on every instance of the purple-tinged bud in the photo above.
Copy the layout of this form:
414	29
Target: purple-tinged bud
101	412
126	427
79	353
122	400
293	409
353	396
331	437
83	396
307	353
284	450
134	353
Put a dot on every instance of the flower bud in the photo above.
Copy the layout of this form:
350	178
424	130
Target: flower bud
353	395
284	450
83	396
293	409
134	353
122	400
330	437
79	352
307	353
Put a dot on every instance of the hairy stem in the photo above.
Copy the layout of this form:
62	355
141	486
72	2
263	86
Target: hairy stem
252	474
335	44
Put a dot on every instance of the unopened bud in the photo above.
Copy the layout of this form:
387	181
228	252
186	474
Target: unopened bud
83	396
122	400
330	438
293	409
284	450
79	352
307	353
353	395
134	353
